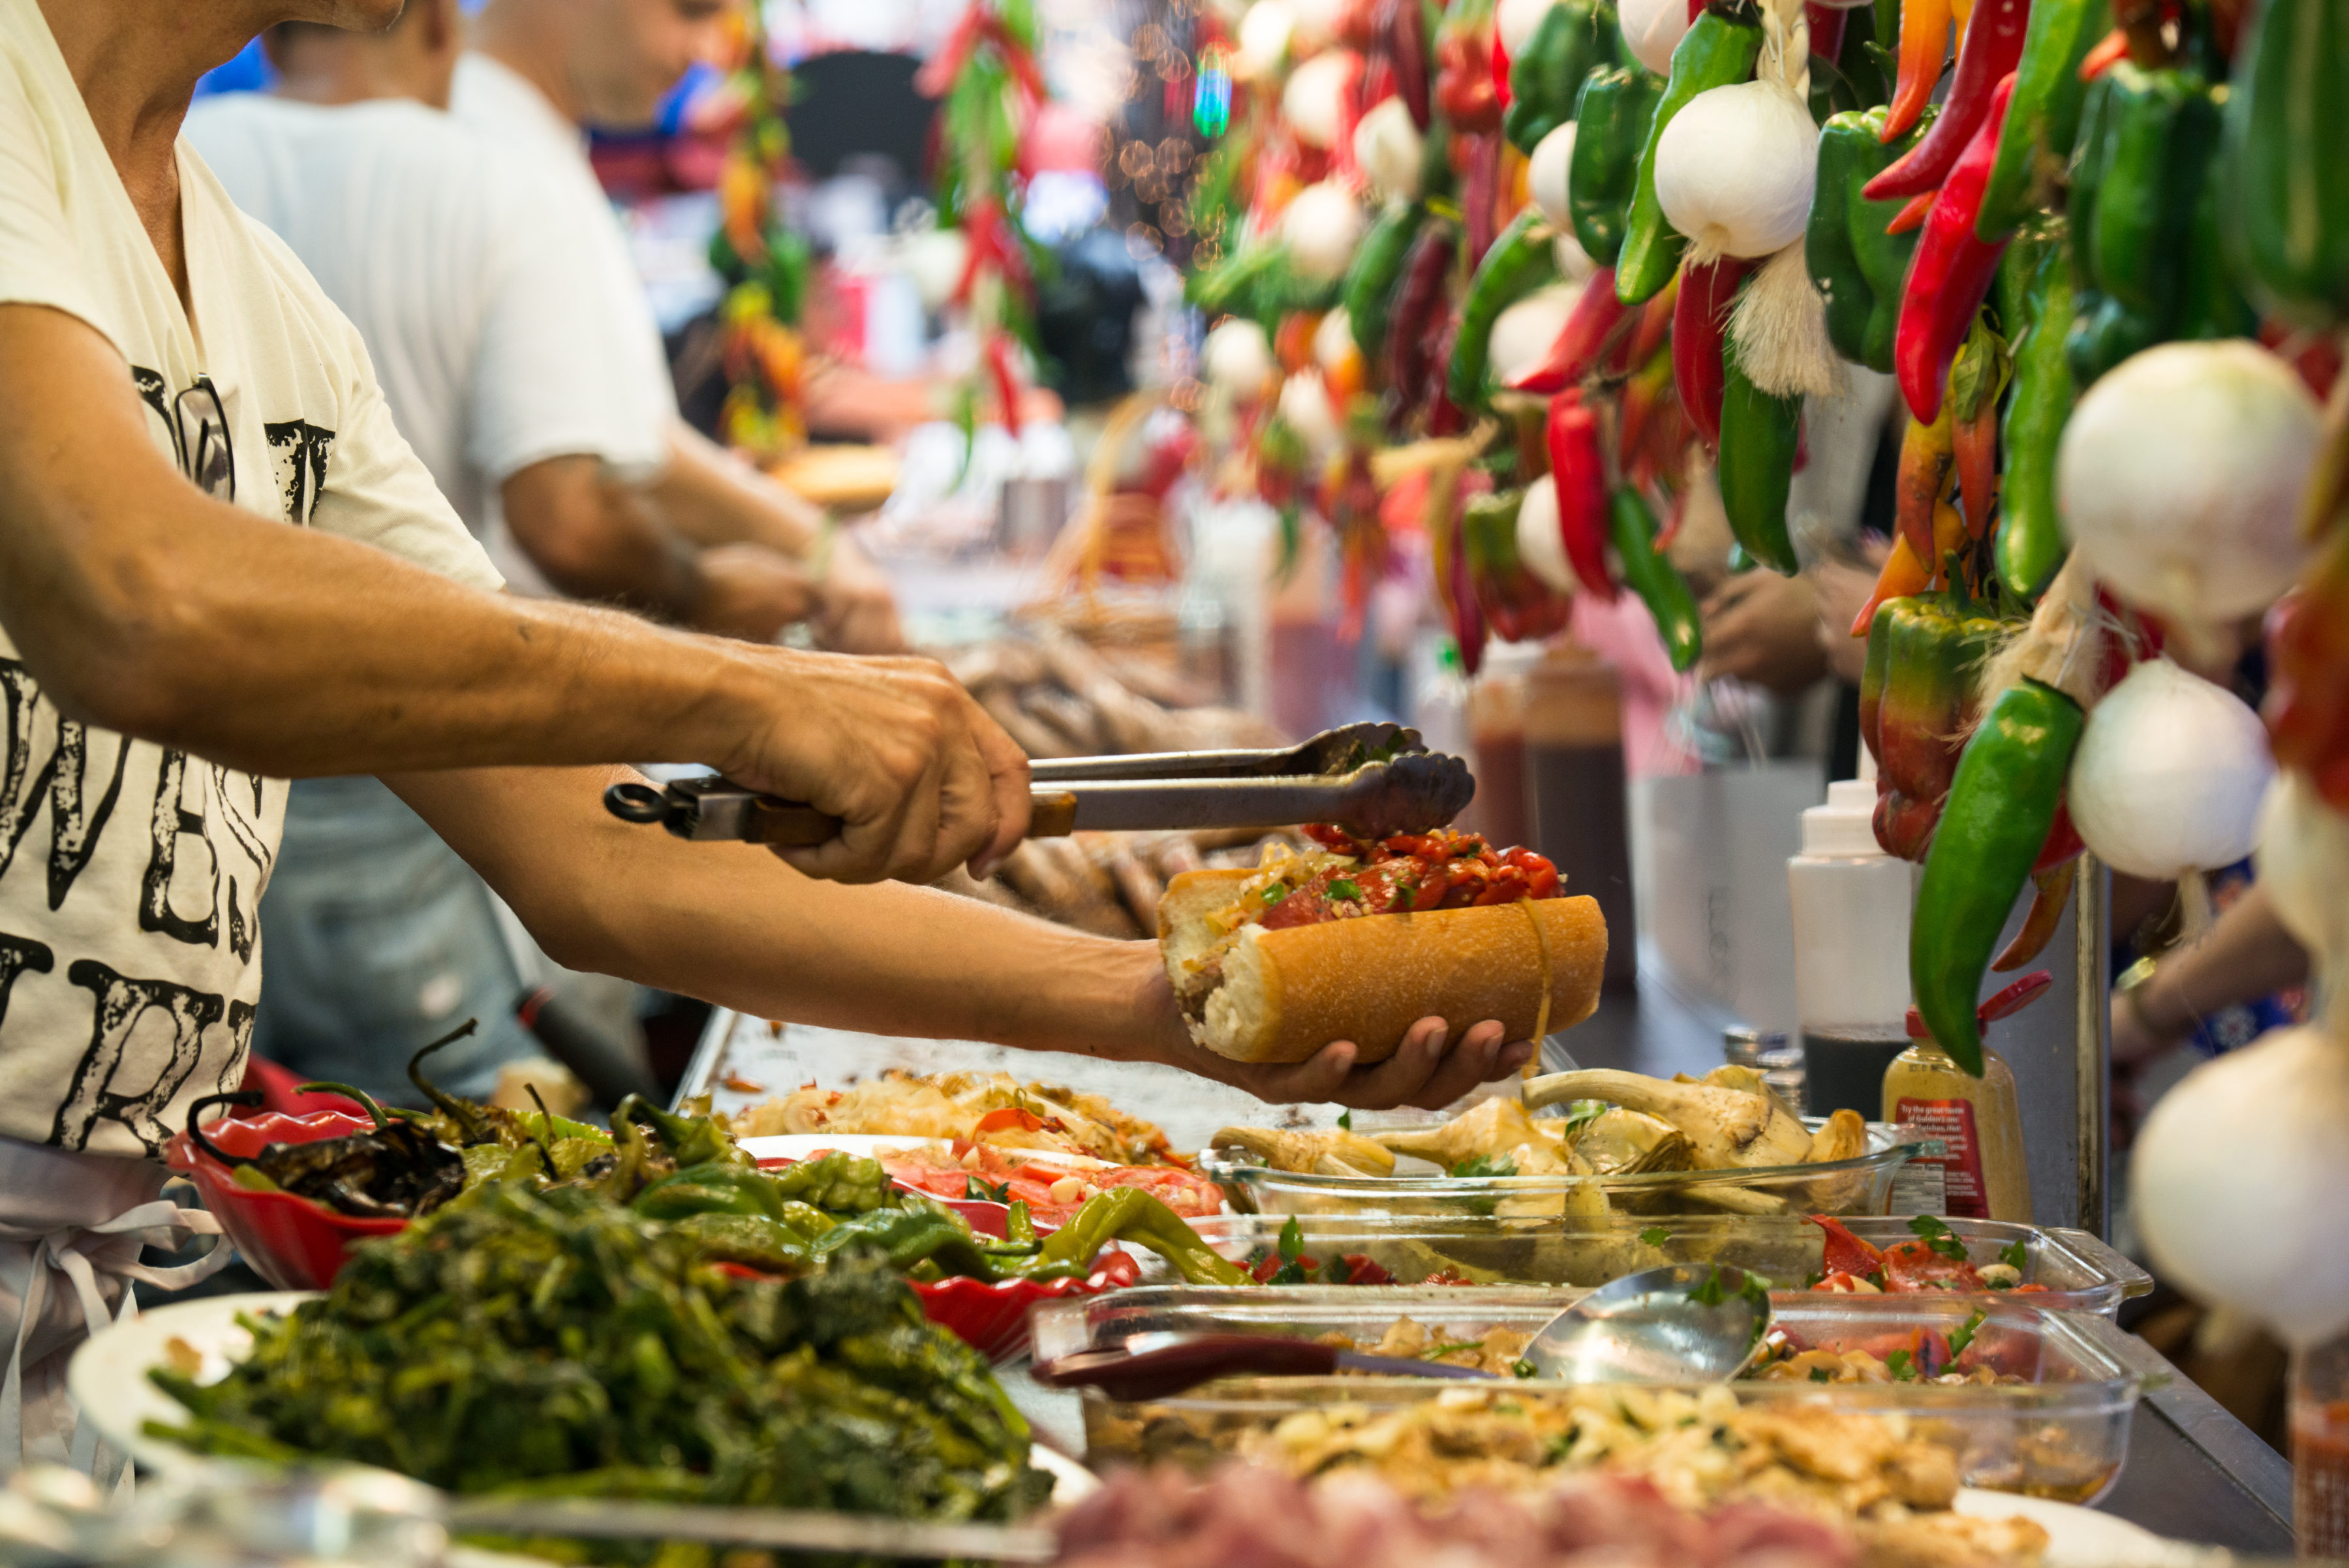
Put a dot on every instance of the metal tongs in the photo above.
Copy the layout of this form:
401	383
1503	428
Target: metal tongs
1373	780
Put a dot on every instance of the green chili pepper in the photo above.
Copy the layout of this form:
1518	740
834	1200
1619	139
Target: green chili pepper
1521	261
2030	533
756	1240
1858	268
710	1189
687	1140
909	1236
1717	51
1655	578
1130	1214
1573	39
2287	182
2146	144
1370	288
1611	119
1759	436
838	1184
2043	118
2211	304
2010	781
1019	1226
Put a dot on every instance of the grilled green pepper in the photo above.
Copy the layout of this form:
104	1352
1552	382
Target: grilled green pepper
1653	578
2009	783
1574	38
2146	140
1522	260
2043	118
1611	120
1718	50
1759	435
1130	1214
710	1189
1857	266
2287	182
1369	290
2029	545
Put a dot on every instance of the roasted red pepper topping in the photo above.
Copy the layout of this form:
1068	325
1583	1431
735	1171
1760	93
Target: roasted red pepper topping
1410	873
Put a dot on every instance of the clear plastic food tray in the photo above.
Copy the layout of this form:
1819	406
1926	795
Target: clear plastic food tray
1861	1186
2061	1433
2075	1269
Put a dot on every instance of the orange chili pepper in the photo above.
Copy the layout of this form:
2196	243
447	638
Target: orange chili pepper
1913	216
1903	577
1926	453
1924	48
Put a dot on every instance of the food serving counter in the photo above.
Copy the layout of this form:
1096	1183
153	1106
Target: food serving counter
2193	1472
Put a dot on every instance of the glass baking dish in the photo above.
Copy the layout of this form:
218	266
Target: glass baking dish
2076	1270
2061	1432
1861	1186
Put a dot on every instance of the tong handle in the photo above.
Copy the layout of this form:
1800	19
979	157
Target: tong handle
788	825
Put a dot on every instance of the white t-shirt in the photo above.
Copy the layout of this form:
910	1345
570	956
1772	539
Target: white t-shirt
552	154
477	294
130	874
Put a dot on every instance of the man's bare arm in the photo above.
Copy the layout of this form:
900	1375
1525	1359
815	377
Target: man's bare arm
143	605
727	923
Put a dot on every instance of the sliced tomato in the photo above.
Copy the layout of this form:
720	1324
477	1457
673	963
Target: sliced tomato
1843	1283
1911	1266
1846	1253
1019	1118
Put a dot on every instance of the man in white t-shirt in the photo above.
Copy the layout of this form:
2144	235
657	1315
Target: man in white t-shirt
515	375
222	567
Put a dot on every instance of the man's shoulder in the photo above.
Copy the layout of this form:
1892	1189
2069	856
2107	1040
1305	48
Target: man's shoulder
395	129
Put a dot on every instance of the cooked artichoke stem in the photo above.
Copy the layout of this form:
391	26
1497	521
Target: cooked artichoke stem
1335	1152
1725	1128
1844	1137
1498	1128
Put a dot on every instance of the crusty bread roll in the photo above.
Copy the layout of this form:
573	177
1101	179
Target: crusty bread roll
1280	996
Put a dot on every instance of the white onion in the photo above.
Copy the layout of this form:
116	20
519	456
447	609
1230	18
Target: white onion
1652	29
1390	150
1264	38
1516	21
1545	174
1539	545
933	258
1333	340
2170	774
1523	334
1305	405
1314	101
2179	479
1316	22
1237	357
1736	168
2238	1179
2303	864
1321	224
1573	263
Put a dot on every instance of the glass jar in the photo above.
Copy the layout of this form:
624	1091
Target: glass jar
2320	1449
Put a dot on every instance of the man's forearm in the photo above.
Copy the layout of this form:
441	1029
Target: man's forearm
711	498
594	537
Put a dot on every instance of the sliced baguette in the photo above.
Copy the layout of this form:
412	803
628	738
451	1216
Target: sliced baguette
1282	995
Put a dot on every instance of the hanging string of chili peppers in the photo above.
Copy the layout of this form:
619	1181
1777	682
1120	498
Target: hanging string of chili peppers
762	261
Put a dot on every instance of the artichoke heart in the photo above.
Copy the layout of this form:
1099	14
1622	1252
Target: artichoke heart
1844	1137
1724	1127
1628	1143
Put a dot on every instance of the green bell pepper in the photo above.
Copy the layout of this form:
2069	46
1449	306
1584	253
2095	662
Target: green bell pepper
2146	145
1916	696
2043	118
1369	290
2030	545
1574	38
1858	268
1611	120
1716	51
2009	783
2286	188
1522	260
1759	437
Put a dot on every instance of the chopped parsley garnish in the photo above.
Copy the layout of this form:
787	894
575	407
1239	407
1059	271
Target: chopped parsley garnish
1581	1114
1521	1367
1274	893
1292	1240
2015	1255
976	1188
1821	1375
1406	894
1939	1237
1484	1164
1815	1277
1963	1335
1345	1121
1709	1293
1654	1236
1346	888
1903	1366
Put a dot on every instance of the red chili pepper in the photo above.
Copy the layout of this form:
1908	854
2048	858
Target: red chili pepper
1591	329
1920	479
1018	60
1846	1253
1007	381
938	72
1924	44
1415	319
1700	326
1974	444
1480	189
979	245
2050	889
1463	86
1406	37
1991	47
1952	273
1911	216
1501	70
1577	468
1827	29
1648	334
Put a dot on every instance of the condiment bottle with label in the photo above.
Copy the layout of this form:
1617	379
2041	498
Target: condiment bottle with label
1576	794
1978	1121
1850	902
1496	720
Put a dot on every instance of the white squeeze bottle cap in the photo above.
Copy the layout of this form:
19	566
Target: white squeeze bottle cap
1847	824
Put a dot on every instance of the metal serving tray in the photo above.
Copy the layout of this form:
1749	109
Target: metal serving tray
2077	1272
2060	1433
1861	1186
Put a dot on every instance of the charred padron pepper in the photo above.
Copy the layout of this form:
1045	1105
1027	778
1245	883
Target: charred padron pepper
1916	697
2043	120
2003	802
1610	129
1857	266
2287	181
1718	50
1575	37
2140	209
395	1171
2029	545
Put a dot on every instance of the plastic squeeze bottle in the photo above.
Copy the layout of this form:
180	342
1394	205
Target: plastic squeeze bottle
1851	903
1979	1121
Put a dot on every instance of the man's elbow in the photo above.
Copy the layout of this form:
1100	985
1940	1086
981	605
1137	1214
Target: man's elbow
142	663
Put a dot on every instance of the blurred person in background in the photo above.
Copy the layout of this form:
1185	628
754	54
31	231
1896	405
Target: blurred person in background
519	359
